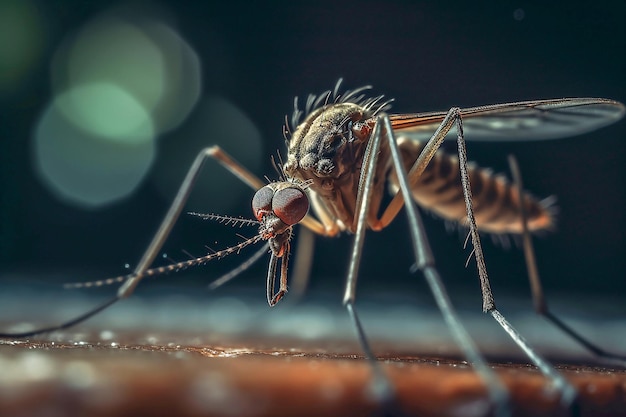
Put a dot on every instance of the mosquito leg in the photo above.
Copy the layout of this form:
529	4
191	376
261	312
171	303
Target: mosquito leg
426	263
539	301
423	254
568	392
381	385
161	235
173	213
424	258
63	325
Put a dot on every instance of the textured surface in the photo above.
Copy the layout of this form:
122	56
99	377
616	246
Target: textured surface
228	356
128	379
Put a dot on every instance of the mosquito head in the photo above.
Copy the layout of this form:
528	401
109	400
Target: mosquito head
278	207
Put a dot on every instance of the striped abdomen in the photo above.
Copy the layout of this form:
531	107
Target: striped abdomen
496	202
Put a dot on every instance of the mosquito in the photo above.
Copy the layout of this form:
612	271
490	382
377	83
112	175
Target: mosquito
343	149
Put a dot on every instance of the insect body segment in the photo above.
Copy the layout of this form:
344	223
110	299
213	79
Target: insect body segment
328	148
496	201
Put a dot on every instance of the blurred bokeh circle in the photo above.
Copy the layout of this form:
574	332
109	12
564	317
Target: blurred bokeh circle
119	82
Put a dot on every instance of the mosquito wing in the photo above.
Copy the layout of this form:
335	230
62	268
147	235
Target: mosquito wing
524	120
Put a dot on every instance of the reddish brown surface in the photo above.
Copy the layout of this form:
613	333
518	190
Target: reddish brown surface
248	378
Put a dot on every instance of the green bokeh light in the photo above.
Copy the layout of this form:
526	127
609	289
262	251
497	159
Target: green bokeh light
83	167
119	82
108	111
111	50
144	57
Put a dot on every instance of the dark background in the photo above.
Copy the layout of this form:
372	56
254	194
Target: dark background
427	57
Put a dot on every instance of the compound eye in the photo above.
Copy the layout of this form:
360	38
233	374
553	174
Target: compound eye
262	202
290	205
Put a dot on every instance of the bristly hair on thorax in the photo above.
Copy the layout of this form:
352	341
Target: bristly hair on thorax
372	105
278	165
